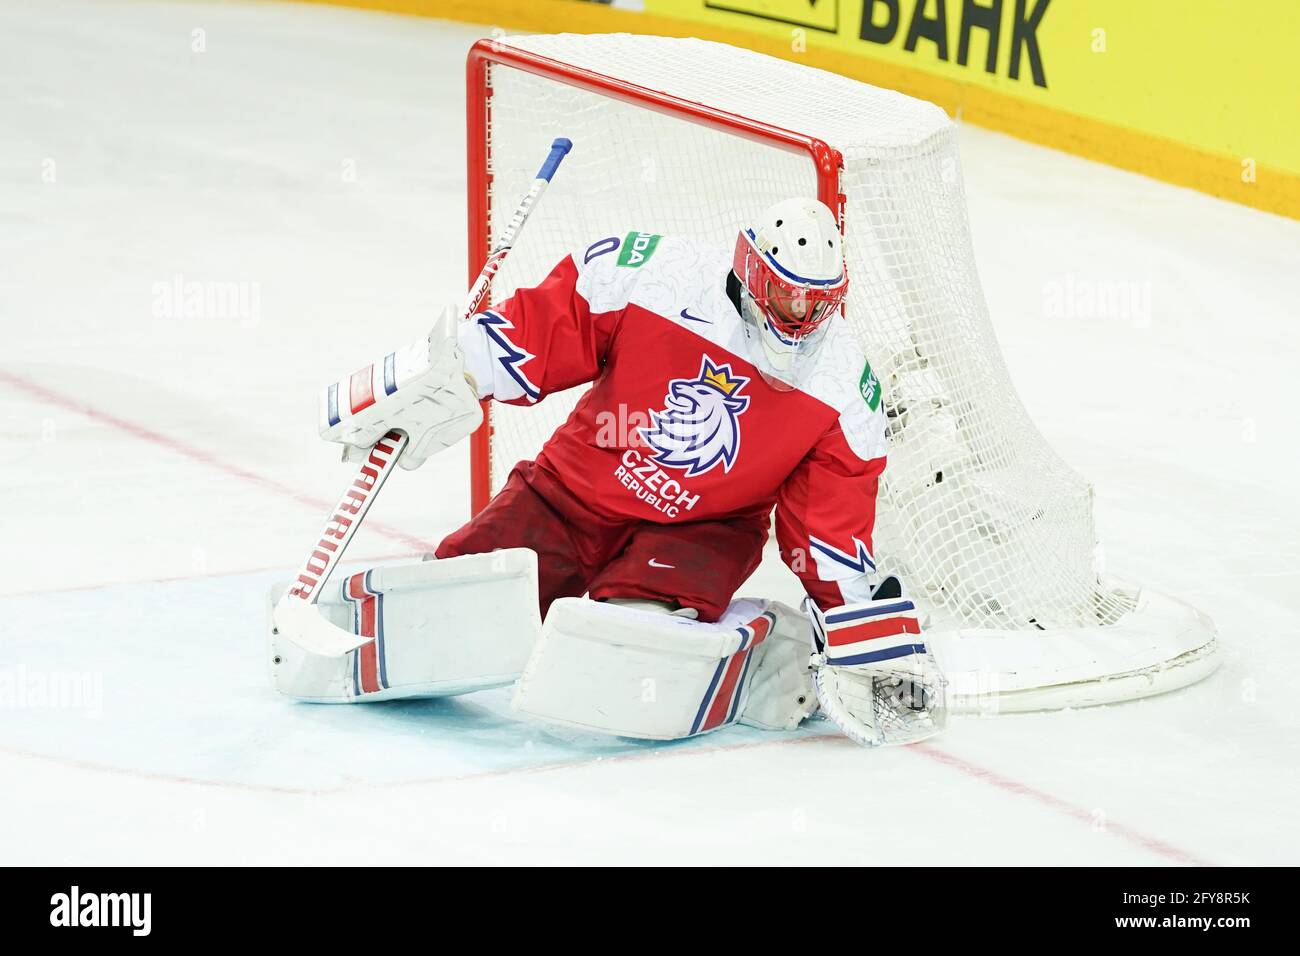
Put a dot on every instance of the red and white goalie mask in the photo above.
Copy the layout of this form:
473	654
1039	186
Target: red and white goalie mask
792	276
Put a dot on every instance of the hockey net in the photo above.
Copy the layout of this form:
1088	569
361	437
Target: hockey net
990	529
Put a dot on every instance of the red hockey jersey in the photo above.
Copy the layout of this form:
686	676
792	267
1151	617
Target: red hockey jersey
679	425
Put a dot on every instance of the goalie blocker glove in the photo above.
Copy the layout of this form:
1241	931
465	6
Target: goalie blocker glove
421	390
873	675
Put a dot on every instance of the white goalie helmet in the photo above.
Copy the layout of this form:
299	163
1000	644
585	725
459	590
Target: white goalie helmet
790	265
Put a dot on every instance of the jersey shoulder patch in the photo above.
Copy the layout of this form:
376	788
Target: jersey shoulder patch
637	248
869	387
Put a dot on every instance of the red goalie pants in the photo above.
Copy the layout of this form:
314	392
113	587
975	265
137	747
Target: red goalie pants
695	564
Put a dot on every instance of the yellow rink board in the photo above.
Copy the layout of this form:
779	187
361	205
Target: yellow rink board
1200	93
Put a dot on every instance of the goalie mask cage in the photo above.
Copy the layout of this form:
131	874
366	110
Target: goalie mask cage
989	529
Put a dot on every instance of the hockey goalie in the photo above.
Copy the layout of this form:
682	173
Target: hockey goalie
601	579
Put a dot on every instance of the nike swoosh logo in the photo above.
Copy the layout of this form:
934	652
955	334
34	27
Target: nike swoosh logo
655	564
694	318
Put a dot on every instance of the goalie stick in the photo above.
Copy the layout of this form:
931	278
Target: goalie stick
295	616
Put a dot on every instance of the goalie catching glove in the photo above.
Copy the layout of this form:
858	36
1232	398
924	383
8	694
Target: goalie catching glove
421	390
872	673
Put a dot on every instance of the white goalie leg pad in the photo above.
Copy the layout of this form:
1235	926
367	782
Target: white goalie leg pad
439	628
656	676
781	694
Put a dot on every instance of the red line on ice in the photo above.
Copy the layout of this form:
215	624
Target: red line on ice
1007	785
197	454
975	772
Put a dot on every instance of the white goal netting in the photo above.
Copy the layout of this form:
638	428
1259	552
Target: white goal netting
976	510
982	519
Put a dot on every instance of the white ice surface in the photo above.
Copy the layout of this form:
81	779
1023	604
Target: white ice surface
158	473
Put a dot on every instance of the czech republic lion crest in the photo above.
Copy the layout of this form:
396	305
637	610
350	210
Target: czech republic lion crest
699	427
